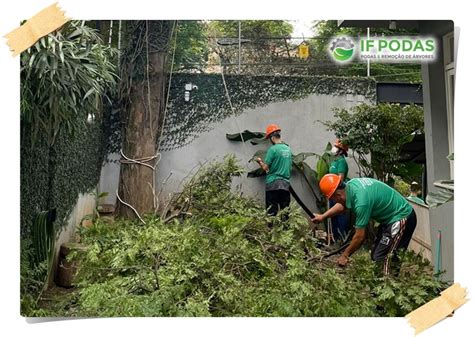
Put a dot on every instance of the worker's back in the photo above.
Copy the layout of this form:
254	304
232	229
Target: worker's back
279	160
373	199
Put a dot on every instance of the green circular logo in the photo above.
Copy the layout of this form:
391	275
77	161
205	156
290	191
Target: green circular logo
342	49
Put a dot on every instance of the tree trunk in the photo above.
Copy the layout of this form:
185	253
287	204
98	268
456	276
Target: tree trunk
141	118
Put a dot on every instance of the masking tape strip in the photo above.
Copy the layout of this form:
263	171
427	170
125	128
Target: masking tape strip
43	23
434	311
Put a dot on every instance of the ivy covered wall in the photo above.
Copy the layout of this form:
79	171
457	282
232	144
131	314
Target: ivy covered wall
208	103
54	177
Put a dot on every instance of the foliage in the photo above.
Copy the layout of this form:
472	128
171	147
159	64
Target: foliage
254	137
208	104
397	296
324	162
379	131
64	76
263	42
142	38
192	47
75	168
32	278
258	29
224	260
402	187
53	176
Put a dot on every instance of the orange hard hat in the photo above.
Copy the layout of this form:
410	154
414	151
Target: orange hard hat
340	145
271	129
328	184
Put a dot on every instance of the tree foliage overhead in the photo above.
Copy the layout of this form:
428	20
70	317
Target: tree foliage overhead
192	46
263	42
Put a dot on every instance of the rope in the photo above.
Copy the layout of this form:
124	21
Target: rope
234	114
123	202
142	161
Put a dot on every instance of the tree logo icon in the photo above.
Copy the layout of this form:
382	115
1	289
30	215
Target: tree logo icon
342	49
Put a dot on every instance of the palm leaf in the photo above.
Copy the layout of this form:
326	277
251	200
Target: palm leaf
246	135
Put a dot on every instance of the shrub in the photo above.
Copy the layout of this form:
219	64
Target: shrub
224	260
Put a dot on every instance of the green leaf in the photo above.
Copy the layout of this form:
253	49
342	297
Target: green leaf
246	135
300	157
328	147
256	173
322	168
259	154
408	170
102	195
91	90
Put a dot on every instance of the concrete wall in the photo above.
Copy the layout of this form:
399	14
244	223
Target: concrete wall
300	129
109	179
421	239
85	205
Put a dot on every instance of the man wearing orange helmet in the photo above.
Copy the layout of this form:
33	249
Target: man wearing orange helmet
371	199
277	165
339	166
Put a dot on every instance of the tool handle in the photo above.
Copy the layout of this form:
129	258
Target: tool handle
298	200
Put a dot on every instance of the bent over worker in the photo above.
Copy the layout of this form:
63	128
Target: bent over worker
277	164
371	199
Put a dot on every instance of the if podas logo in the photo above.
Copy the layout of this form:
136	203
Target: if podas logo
342	49
385	49
397	45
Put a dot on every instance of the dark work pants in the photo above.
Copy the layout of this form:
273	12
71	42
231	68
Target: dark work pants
391	238
276	200
339	223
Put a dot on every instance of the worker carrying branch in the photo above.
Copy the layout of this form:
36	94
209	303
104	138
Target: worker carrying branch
369	199
277	165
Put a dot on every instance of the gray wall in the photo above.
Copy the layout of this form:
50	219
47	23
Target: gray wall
437	146
109	179
300	129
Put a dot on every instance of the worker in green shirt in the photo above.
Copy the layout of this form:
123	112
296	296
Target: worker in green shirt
371	199
414	191
339	167
277	165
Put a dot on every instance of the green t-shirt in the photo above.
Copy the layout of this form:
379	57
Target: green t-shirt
279	161
416	200
372	199
338	166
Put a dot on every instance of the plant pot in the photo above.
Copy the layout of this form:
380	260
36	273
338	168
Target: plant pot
67	270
